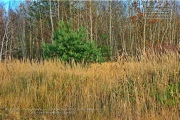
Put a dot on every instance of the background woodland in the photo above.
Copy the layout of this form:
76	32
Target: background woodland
119	26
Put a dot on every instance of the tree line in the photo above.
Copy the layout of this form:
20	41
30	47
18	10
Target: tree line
121	27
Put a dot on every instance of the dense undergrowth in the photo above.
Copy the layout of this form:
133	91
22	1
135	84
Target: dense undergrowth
145	89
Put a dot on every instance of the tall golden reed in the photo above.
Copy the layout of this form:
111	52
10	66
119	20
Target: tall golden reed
146	89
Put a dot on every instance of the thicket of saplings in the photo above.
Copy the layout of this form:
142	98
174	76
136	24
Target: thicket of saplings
144	89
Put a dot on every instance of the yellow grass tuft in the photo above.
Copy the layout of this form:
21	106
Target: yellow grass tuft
146	89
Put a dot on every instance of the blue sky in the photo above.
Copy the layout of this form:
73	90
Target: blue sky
4	0
12	3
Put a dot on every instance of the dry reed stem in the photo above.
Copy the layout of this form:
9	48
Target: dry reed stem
148	89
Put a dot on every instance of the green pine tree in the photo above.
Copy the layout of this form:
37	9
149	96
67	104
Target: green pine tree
72	44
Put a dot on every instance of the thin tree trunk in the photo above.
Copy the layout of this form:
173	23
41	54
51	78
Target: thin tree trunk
52	25
144	32
90	14
58	11
23	39
110	28
3	40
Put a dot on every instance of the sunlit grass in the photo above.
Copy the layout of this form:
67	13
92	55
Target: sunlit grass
146	89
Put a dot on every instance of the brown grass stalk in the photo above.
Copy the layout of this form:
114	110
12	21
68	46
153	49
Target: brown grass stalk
144	90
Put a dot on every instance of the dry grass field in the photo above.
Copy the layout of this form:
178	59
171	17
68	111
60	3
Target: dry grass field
130	90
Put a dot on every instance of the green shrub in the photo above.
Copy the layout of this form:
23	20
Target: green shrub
72	44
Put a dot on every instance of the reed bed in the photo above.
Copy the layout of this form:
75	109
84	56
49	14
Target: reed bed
124	90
